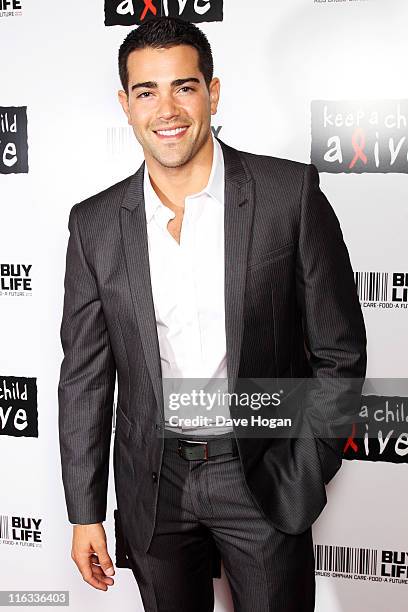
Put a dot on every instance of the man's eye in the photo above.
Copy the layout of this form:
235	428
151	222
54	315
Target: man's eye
147	93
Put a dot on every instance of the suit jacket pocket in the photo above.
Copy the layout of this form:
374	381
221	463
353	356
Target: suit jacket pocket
330	461
271	256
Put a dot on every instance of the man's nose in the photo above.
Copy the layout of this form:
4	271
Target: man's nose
167	108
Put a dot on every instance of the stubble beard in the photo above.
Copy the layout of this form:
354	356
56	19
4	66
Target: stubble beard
175	161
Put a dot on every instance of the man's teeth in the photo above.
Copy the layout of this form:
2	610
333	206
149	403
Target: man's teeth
171	132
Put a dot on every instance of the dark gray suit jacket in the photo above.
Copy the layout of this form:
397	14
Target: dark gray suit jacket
291	310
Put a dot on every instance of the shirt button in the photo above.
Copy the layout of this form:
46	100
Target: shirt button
154	476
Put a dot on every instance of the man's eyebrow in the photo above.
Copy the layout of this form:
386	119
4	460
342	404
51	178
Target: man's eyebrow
175	83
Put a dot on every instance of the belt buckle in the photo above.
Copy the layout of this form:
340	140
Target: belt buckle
194	443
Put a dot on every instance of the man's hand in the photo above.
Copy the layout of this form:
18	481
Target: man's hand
90	554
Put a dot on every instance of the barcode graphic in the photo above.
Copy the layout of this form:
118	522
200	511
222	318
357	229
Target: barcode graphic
372	286
345	559
4	527
119	139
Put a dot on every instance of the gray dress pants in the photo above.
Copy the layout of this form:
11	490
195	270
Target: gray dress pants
205	502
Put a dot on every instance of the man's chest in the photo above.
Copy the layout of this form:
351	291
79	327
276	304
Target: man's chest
174	226
186	260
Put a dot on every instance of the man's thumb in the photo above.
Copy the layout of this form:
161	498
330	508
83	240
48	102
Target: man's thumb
106	563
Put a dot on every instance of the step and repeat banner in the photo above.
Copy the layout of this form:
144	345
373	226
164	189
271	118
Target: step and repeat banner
321	81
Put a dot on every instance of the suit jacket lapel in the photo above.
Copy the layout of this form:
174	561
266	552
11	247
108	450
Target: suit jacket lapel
239	206
239	203
134	237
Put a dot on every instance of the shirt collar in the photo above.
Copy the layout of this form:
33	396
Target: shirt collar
214	187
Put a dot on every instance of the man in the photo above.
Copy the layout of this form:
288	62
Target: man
212	263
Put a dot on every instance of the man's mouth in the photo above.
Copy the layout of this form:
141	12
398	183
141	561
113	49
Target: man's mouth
172	133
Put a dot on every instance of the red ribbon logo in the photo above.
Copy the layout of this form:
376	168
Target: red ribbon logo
358	142
149	6
350	440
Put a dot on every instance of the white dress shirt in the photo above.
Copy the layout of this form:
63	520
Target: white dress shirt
188	293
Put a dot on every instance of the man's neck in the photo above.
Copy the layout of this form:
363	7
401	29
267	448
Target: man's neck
173	185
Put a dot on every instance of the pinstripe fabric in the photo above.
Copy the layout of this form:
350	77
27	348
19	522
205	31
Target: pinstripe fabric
205	502
289	296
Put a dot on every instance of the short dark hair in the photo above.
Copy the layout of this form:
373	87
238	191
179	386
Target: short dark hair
166	32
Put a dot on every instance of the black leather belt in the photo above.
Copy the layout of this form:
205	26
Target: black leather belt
202	448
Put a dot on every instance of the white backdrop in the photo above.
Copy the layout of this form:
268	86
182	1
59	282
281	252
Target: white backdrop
274	59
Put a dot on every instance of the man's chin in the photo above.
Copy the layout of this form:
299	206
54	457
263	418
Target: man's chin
172	161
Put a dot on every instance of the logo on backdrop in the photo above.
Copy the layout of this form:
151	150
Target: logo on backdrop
120	140
382	431
18	407
360	136
382	290
10	8
15	279
336	2
13	139
135	12
368	564
20	531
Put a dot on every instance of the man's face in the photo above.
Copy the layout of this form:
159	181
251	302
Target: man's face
167	92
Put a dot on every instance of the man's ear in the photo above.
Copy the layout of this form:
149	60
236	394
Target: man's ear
124	102
214	90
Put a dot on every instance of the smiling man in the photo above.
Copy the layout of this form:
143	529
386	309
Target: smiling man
171	118
208	263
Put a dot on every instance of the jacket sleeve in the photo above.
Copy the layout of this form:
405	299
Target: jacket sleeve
333	324
85	389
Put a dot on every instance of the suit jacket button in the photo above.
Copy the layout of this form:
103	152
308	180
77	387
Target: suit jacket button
154	476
